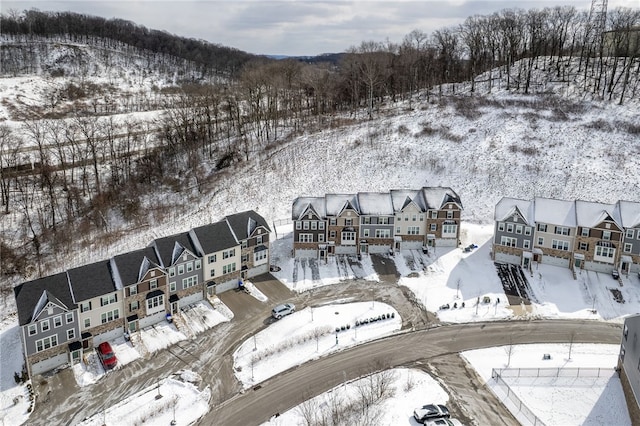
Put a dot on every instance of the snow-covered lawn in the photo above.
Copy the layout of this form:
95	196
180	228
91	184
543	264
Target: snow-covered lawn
309	334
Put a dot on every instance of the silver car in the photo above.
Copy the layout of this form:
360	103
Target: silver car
283	310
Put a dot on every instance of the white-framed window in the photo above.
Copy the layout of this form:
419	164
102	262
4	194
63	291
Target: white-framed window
198	264
190	267
605	252
365	220
189	281
434	214
562	230
85	306
244	244
518	229
510	227
383	220
69	317
57	321
584	232
412	230
211	259
46	343
172	272
540	241
583	246
414	217
397	230
228	253
385	233
314	225
321	225
630	233
348	222
365	232
542	227
421	217
155	304
110	316
433	227
44	325
406	218
259	255
628	247
87	322
305	238
172	286
449	214
244	258
501	226
227	269
321	238
332	234
134	288
71	334
560	245
153	284
526	244
181	269
332	221
527	230
212	273
606	235
134	306
508	241
108	299
348	237
298	225
305	225
449	230
32	329
259	239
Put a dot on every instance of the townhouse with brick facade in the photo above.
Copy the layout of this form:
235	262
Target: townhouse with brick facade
573	234
63	315
369	222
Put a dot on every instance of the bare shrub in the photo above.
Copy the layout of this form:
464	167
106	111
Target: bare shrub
526	150
427	130
402	129
600	124
631	128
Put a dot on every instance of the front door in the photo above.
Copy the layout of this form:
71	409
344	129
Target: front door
133	326
364	248
624	266
525	263
75	357
577	263
174	307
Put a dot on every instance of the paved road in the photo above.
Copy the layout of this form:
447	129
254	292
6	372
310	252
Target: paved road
282	392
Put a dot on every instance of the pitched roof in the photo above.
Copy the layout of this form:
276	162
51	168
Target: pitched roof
168	249
437	196
32	296
629	213
302	204
556	212
400	198
375	203
129	268
336	203
589	214
507	206
213	237
243	224
91	280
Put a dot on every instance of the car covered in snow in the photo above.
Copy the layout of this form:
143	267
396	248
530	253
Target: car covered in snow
107	356
283	310
443	422
430	412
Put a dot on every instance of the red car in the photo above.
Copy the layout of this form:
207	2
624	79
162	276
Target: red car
107	356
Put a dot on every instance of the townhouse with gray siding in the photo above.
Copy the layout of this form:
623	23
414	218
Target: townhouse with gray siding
369	222
573	234
629	364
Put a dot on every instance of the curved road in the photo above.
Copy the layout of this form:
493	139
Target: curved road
286	390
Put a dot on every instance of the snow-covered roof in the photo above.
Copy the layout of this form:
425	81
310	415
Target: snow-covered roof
336	203
375	203
629	213
437	196
590	214
506	207
302	204
402	197
556	212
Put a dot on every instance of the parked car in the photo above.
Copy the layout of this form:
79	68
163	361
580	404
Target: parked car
107	356
283	310
443	422
430	412
615	274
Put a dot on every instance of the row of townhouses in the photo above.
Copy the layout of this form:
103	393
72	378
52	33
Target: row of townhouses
369	222
573	234
62	315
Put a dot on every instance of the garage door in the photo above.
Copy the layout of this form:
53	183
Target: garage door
508	258
410	245
598	267
379	248
107	335
152	319
192	298
313	253
555	261
258	270
49	363
346	250
229	285
446	242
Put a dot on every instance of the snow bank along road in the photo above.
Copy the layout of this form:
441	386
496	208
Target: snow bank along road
282	392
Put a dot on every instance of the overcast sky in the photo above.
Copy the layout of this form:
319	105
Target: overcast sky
295	27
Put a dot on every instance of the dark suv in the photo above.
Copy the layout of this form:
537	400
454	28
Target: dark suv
430	412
